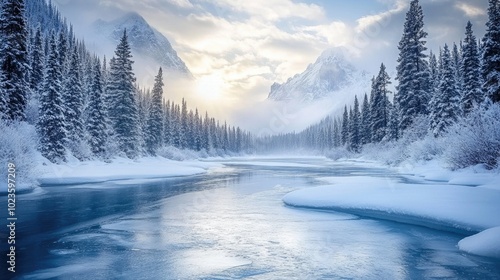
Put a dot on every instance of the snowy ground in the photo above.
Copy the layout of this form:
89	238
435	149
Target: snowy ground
464	201
77	172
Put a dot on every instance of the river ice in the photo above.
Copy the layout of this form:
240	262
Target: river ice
230	224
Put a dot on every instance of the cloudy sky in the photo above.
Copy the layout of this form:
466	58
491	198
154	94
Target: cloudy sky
239	48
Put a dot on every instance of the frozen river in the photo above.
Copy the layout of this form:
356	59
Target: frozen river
228	224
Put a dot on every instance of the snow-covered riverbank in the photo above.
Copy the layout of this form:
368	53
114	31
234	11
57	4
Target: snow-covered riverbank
82	172
466	201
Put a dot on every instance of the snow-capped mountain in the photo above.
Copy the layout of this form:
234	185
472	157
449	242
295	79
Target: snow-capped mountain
332	72
144	40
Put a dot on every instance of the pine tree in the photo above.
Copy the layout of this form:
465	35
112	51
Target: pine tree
205	143
365	121
471	65
37	62
457	62
379	110
96	122
413	91
122	107
434	73
51	125
393	126
337	137
184	124
13	60
176	129
73	100
345	127
355	137
491	53
62	50
167	139
198	130
154	123
445	107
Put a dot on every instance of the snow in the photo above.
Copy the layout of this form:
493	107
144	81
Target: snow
121	169
485	243
464	201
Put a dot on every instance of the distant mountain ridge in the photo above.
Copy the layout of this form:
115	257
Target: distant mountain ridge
143	39
330	73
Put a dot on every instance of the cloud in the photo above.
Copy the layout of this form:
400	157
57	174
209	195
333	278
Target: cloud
242	47
470	10
181	3
274	10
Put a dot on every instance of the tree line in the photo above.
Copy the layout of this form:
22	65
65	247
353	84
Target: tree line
84	105
436	91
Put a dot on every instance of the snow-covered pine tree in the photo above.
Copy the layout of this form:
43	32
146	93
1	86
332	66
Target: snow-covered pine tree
379	114
472	94
154	124
167	140
14	67
491	53
176	129
337	137
63	51
51	124
122	107
445	105
205	139
73	102
96	122
143	101
393	124
184	124
434	73
355	137
37	62
365	121
214	139
224	137
345	127
413	91
190	130
456	56
198	131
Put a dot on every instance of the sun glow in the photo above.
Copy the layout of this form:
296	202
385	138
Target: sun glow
210	88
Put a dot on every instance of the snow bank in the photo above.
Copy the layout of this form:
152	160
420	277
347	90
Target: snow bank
465	201
458	208
485	243
121	169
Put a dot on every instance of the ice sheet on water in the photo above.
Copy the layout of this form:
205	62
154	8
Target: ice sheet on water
272	164
59	272
206	261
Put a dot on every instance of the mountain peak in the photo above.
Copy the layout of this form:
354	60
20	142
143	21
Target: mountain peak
131	18
330	73
144	40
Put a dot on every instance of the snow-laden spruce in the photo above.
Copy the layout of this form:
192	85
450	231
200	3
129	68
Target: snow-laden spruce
14	67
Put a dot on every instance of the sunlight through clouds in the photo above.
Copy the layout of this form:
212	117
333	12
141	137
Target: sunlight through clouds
241	48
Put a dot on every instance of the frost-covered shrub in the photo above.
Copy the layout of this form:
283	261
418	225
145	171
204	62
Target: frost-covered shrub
390	153
418	130
174	153
416	144
425	149
18	145
475	139
338	153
